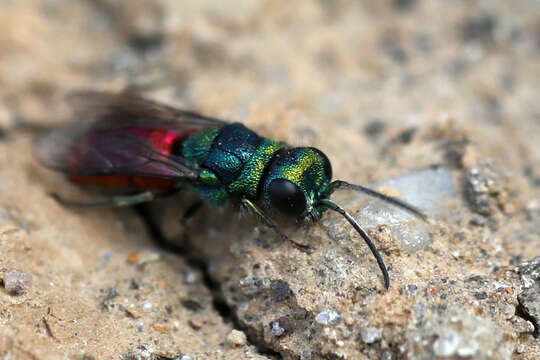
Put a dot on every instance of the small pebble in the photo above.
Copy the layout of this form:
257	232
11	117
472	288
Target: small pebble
186	357
469	350
370	335
447	344
191	277
277	330
107	302
142	258
281	326
251	285
17	282
196	322
477	221
147	305
419	308
237	338
280	290
482	184
410	289
481	295
328	317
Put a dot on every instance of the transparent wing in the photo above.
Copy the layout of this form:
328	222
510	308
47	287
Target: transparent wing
120	110
122	134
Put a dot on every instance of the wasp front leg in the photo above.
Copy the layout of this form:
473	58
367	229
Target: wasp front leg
262	217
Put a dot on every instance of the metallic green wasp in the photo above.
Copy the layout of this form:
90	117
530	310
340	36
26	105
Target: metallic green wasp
129	142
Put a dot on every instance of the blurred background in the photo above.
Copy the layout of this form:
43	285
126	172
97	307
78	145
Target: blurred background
356	63
361	64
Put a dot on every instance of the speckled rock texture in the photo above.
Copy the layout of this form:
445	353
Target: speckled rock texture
432	101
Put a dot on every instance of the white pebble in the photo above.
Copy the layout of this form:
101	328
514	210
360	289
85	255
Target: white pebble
328	317
447	344
370	335
237	338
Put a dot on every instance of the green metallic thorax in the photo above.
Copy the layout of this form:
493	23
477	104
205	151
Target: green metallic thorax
251	175
232	160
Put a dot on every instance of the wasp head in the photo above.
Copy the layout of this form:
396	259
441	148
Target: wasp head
296	181
298	184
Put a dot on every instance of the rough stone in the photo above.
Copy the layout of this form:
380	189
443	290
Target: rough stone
84	286
483	185
370	335
529	299
280	290
16	282
277	330
431	190
328	317
236	338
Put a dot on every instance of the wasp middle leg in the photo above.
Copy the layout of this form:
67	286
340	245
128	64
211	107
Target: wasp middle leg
118	201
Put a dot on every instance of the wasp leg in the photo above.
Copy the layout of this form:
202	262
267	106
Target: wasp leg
116	201
191	212
261	216
155	229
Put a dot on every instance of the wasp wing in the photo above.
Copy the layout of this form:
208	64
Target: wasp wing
122	134
132	110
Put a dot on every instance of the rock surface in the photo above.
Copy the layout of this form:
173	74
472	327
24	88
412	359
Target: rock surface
436	102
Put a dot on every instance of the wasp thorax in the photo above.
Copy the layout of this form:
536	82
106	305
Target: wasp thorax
295	179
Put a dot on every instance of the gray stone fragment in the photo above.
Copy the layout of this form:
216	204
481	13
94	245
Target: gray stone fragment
482	184
281	326
410	289
251	285
280	290
529	299
107	302
431	190
277	330
16	282
370	335
456	333
328	317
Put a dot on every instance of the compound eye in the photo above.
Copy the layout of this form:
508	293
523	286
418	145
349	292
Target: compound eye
287	197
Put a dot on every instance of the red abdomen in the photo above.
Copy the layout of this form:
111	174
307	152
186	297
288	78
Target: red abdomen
162	141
